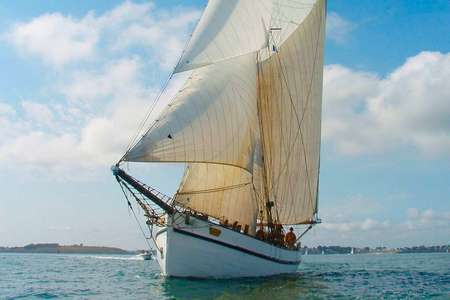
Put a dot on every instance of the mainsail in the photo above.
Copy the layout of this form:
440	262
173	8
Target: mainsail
247	121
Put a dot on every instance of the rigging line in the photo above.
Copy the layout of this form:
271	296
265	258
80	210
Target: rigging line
147	116
257	197
230	187
132	210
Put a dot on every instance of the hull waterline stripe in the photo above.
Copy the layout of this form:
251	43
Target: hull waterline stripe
247	251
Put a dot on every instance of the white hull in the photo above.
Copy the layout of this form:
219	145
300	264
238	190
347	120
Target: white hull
190	250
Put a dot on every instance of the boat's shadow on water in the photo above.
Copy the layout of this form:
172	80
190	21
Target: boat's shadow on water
294	286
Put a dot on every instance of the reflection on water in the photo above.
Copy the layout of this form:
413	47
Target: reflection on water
276	287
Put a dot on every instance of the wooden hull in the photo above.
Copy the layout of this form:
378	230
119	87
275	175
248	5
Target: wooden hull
196	250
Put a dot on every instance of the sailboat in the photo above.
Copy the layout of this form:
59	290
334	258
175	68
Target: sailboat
247	126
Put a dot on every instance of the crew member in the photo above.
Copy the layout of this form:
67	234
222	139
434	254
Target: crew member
290	238
260	233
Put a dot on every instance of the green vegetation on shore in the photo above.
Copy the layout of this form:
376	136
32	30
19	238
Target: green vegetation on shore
56	248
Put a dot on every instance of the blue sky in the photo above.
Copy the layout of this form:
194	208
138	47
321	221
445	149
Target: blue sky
76	76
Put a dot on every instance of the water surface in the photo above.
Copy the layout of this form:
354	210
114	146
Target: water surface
369	276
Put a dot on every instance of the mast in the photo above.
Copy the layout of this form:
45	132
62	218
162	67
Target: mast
267	203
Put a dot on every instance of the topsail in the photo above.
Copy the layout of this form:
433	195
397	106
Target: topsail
247	121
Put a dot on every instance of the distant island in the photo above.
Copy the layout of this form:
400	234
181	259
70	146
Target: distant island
365	250
57	248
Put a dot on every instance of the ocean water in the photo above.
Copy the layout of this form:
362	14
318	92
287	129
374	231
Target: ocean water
384	276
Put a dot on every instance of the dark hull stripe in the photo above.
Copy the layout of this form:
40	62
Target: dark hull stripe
247	251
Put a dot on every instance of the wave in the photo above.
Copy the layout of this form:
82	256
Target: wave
134	257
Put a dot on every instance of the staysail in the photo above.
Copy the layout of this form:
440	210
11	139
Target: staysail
230	28
247	121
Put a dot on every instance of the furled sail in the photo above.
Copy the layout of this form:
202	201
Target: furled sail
211	120
290	95
230	28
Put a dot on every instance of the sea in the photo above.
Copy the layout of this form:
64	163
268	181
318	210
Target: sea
362	276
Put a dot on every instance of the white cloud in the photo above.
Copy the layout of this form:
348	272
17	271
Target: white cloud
100	137
352	214
94	126
426	218
55	38
58	39
367	224
368	229
338	28
407	109
93	109
6	109
39	113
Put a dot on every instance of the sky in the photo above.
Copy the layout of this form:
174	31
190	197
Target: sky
77	77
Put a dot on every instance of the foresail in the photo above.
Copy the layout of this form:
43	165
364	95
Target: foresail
290	87
220	191
230	28
211	120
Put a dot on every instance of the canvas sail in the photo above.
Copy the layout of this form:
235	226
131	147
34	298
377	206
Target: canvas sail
230	28
247	121
210	120
290	94
220	191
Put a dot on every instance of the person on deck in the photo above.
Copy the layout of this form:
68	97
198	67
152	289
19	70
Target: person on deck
260	233
290	238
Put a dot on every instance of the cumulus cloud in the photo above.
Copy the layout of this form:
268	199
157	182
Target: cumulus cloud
408	109
368	224
38	113
352	214
94	108
370	227
100	137
59	39
55	38
363	113
6	109
426	218
338	28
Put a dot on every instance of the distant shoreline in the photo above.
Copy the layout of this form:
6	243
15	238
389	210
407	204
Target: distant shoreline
54	248
65	249
366	250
